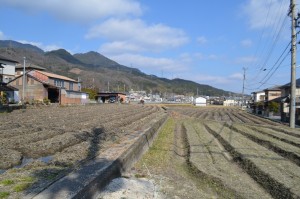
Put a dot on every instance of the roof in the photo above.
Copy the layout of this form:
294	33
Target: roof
7	59
255	92
7	88
275	88
52	75
30	66
289	84
102	94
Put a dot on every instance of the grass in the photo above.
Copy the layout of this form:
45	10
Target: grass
4	195
7	182
158	154
25	182
22	186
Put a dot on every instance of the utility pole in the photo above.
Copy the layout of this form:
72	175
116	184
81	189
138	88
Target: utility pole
293	66
244	77
23	91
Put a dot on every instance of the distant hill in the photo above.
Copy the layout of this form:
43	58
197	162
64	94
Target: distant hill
65	55
98	71
14	44
95	59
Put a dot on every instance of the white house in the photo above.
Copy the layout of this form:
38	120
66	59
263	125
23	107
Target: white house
230	102
258	96
7	69
200	101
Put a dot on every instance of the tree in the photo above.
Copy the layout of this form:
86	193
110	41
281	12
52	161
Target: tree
92	93
273	107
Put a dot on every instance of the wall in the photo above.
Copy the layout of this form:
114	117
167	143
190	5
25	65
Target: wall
34	90
69	97
9	68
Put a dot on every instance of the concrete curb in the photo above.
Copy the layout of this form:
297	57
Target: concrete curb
91	178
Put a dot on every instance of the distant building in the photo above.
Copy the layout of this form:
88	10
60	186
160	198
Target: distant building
200	101
258	96
7	69
110	97
8	93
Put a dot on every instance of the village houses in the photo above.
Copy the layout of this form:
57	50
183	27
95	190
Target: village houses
38	85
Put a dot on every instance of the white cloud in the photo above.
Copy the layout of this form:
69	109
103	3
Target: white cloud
232	81
265	13
236	76
79	10
2	36
202	56
246	43
150	64
41	45
135	35
245	60
201	40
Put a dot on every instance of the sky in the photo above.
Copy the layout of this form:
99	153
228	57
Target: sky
209	42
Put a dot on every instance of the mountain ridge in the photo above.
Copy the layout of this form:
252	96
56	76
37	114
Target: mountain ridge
97	71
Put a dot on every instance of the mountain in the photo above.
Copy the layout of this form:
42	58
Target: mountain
98	71
14	44
95	59
65	55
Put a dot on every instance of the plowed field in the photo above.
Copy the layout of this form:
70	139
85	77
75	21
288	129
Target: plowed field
39	145
228	153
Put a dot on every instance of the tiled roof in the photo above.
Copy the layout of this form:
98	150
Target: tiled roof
289	84
30	66
56	76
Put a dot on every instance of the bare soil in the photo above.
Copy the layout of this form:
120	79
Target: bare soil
223	153
40	145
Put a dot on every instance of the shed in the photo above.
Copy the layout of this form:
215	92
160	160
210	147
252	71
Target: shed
110	97
200	101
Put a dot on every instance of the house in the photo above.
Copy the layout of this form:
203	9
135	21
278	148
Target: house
110	97
258	96
230	102
7	69
40	85
271	95
200	101
285	102
8	94
257	103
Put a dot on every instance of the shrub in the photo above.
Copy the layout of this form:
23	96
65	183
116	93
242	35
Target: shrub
273	107
46	101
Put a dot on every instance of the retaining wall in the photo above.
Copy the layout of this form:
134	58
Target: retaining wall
90	179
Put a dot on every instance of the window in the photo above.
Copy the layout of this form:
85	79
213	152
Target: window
59	83
71	86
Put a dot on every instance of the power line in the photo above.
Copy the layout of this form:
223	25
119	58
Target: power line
274	65
277	29
274	70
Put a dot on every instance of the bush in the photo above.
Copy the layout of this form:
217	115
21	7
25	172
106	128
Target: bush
46	101
273	107
3	99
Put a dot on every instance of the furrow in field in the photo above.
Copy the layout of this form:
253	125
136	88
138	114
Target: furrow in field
208	156
281	148
279	176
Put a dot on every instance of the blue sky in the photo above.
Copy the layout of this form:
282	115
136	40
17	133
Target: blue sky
208	42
